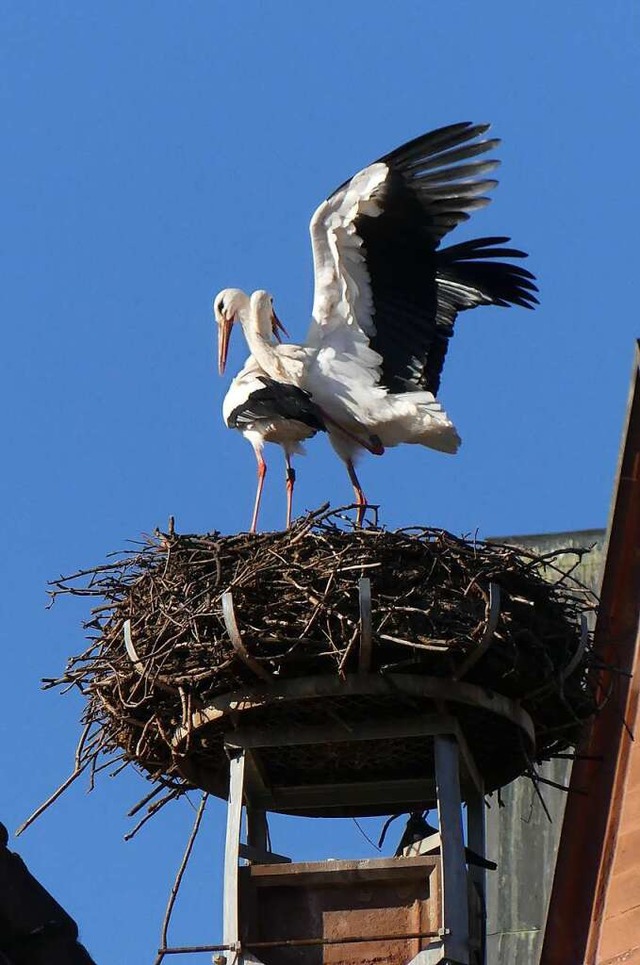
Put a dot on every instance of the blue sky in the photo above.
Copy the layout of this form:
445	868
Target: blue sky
154	153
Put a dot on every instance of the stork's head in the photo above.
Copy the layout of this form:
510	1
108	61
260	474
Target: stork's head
233	305
228	306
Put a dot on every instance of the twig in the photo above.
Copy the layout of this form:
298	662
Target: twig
53	797
159	650
179	876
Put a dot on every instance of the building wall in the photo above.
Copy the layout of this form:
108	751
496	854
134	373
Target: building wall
520	837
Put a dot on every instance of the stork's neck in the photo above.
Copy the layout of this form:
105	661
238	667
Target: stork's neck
256	325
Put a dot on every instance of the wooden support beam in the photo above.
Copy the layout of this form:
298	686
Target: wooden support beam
476	841
389	795
455	903
255	783
395	870
468	760
371	730
303	688
230	923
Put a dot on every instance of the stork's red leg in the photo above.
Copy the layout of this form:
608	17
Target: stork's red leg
290	482
361	502
262	472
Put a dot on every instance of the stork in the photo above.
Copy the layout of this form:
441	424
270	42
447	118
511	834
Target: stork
387	296
268	411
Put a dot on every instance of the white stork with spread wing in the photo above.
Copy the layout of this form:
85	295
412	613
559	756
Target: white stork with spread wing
387	296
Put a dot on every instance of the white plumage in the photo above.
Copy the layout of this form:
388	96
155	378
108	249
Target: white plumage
387	296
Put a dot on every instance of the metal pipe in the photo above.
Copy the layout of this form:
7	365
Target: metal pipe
293	942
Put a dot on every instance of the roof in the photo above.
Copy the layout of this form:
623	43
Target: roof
34	928
594	913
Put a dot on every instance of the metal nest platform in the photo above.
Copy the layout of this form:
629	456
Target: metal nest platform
330	655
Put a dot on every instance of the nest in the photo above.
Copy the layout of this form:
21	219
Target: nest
167	674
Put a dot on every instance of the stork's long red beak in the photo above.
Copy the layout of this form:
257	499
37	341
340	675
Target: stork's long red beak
224	331
277	327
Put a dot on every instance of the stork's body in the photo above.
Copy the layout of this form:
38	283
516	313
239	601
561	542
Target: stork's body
265	410
386	296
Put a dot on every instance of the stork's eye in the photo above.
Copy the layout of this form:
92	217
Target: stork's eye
220	306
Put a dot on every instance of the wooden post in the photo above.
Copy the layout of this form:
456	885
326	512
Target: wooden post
257	830
476	842
230	923
455	906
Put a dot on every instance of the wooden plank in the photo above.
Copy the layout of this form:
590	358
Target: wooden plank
364	592
230	923
305	873
329	733
428	845
455	906
416	791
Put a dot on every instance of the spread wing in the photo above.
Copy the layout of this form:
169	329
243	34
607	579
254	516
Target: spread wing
386	296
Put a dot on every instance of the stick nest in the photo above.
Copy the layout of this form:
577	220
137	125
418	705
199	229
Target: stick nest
296	602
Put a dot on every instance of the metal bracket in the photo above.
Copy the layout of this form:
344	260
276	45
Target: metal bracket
364	591
580	649
492	614
230	622
258	856
569	668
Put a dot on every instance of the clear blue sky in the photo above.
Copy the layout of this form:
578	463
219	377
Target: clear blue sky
155	152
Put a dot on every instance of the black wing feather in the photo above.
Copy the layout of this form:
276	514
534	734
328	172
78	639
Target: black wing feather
277	400
417	288
466	279
402	271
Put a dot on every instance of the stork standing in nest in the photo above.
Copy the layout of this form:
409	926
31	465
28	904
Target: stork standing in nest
387	296
265	410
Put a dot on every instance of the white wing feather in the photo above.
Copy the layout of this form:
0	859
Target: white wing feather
342	371
342	295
